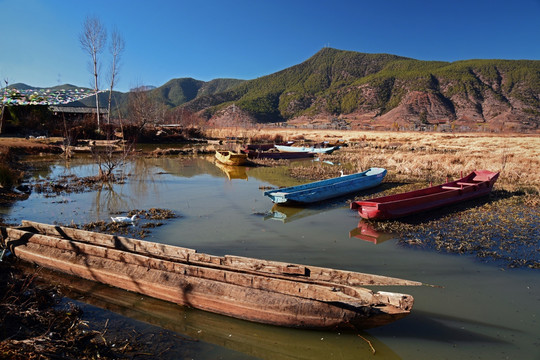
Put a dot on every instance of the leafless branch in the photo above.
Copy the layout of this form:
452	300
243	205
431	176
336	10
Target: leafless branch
116	49
93	39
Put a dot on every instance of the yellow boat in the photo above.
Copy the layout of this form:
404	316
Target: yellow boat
231	158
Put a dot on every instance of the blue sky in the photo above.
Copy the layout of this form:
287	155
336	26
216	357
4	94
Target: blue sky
246	39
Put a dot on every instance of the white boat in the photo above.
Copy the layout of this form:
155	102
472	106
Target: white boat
307	149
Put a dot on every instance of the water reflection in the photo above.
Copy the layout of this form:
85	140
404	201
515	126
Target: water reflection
367	232
257	340
233	172
187	167
287	214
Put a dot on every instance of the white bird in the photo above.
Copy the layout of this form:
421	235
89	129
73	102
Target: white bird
341	171
124	219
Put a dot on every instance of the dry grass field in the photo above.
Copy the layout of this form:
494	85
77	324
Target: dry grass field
421	156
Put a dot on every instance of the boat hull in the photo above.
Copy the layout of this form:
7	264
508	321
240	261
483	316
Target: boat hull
327	189
307	149
266	292
231	158
277	155
474	185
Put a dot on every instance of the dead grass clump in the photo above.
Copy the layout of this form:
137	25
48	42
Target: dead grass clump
532	197
266	139
314	171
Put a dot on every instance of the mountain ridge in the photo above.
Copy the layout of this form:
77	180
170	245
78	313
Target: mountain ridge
369	90
389	90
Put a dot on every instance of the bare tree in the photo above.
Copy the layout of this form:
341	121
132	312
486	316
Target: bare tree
116	49
144	110
93	39
4	98
110	156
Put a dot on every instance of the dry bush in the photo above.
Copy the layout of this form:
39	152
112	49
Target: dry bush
266	139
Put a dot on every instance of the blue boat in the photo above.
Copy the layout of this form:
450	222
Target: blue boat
327	189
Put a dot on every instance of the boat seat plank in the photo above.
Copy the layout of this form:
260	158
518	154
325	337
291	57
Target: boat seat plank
280	193
451	187
466	183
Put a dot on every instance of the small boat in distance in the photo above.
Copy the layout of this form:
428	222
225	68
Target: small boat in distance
307	149
231	158
329	188
265	147
476	184
264	291
276	155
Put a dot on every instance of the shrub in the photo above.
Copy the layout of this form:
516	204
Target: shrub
7	176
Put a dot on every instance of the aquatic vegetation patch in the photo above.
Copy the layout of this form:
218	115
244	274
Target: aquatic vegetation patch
140	228
503	230
68	184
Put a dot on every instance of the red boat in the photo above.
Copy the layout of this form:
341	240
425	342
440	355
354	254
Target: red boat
478	183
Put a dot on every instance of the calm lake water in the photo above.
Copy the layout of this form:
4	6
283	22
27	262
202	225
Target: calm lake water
481	311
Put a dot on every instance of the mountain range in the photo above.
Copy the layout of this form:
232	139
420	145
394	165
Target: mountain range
369	90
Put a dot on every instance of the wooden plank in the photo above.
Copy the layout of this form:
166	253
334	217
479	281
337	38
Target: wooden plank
315	273
112	241
451	187
230	262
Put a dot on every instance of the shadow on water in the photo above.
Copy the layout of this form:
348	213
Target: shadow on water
256	340
438	327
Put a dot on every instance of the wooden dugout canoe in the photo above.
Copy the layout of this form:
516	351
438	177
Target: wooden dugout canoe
262	291
476	184
257	340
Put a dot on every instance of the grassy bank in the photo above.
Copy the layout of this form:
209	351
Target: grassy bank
421	156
